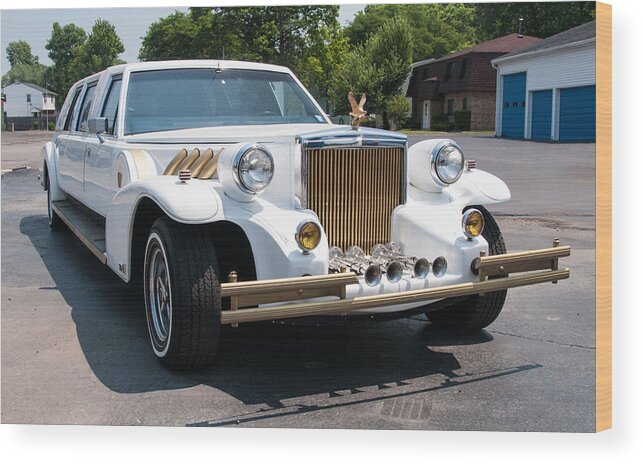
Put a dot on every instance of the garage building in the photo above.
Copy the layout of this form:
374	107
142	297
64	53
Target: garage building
547	91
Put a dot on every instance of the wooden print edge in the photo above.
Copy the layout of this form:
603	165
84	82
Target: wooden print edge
603	396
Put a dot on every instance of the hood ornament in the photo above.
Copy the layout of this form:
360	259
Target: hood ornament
357	111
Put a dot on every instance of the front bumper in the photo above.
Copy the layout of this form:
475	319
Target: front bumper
534	267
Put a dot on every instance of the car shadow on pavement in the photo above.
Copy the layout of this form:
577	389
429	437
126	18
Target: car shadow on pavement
257	364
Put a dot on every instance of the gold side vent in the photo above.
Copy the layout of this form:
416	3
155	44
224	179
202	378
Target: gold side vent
201	165
354	192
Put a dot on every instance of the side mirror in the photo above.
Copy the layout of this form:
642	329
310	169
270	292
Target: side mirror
97	125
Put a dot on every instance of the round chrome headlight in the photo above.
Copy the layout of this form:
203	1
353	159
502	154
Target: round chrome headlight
253	168
447	163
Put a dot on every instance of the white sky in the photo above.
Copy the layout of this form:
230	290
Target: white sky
34	25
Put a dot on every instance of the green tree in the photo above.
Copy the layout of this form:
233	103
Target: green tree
24	72
378	67
179	36
24	65
307	39
438	29
99	51
63	46
541	19
20	52
398	108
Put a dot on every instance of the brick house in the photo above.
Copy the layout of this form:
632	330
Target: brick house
464	80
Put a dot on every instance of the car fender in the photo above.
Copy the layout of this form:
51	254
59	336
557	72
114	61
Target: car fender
270	228
193	202
477	187
49	167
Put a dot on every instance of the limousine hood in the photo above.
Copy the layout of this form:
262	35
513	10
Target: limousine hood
226	134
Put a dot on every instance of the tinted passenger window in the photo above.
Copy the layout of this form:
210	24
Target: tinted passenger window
84	109
72	110
110	109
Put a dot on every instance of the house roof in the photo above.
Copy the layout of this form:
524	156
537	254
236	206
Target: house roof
38	88
422	63
35	87
575	34
503	44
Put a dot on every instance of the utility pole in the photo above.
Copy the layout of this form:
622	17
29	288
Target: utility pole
45	98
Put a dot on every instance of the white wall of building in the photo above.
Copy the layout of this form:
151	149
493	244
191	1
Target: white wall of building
17	103
573	66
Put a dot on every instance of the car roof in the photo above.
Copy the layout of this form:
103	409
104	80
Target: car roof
177	64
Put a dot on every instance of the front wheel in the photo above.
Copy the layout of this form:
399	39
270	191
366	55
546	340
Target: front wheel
53	219
182	294
475	312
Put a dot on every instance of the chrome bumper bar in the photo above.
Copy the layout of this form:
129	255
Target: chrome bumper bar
492	270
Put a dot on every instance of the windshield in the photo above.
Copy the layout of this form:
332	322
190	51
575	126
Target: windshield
173	99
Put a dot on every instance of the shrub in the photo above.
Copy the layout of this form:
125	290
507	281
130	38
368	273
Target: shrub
52	126
36	125
462	119
397	109
440	122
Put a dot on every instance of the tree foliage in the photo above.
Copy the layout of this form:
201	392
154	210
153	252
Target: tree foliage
377	67
23	72
398	108
307	39
76	55
437	29
20	52
99	51
24	65
541	19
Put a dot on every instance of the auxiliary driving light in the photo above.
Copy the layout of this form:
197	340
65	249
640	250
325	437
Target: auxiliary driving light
308	236
439	266
472	223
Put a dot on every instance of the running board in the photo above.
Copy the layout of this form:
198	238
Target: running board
81	224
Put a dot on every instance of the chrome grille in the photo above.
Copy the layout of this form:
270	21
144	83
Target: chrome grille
354	191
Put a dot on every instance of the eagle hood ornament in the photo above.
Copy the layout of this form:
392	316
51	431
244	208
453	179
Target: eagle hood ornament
357	110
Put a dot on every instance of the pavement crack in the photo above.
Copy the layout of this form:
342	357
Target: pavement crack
536	339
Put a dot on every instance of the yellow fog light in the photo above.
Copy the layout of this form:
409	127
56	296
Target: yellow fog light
308	235
472	223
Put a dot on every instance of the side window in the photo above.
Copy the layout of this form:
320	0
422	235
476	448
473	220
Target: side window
71	110
84	109
110	107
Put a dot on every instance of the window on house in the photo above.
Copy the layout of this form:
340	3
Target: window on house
449	71
110	108
463	68
28	98
465	104
449	107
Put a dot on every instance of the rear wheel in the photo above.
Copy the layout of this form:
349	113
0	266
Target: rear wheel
476	311
182	294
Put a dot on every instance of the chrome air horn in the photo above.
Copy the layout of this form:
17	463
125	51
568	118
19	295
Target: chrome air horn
355	261
419	267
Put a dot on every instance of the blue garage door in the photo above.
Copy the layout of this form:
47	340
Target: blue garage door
541	115
578	114
514	87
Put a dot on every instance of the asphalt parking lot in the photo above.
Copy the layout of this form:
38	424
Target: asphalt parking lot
75	344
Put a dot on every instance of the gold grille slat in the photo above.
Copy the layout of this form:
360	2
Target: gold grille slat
354	192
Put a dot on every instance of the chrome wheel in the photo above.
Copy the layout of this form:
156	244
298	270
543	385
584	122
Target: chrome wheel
158	295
